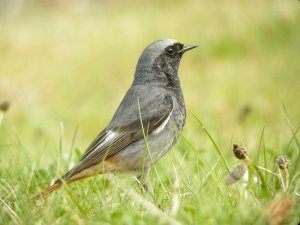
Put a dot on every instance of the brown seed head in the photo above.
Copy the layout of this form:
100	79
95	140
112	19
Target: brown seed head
4	106
240	151
279	210
283	162
236	174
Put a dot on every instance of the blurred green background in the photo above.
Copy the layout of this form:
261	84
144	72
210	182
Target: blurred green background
72	62
69	63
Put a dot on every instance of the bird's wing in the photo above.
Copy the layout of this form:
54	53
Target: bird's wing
114	139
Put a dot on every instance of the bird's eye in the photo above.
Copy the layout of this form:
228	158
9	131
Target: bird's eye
170	51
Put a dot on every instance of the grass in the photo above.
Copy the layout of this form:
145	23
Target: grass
65	68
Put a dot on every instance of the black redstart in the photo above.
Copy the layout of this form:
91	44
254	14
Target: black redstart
146	124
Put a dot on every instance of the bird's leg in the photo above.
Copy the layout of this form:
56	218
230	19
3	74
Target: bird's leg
142	180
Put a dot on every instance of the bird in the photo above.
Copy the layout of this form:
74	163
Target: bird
147	123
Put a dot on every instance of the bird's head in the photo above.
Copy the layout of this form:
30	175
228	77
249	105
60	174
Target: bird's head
159	62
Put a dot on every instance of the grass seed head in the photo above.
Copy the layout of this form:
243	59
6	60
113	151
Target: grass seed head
283	162
279	210
4	106
244	113
236	174
240	151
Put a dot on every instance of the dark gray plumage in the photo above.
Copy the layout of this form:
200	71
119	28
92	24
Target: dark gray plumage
152	109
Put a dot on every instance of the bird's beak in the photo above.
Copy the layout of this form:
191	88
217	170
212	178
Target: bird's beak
187	48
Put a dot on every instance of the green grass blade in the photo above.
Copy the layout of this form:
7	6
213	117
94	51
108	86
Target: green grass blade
213	142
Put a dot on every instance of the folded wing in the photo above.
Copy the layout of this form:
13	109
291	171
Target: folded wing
115	138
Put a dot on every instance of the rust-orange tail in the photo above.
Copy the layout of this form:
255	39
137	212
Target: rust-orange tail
48	190
68	178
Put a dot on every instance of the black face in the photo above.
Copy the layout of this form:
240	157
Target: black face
174	49
167	65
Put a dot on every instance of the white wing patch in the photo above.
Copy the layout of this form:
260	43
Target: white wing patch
109	136
163	125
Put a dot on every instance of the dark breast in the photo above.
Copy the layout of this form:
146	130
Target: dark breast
178	116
